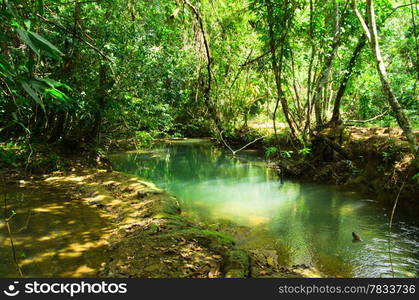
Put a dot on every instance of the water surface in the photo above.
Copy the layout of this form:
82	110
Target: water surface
311	223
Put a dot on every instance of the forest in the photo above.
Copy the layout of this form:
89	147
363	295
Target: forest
234	129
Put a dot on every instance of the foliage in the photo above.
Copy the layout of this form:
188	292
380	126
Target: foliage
93	71
9	154
286	153
143	138
304	151
271	151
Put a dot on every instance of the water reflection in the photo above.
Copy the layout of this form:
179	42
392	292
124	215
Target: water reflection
314	223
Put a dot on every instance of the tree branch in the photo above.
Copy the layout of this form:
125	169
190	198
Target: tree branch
242	148
366	121
76	36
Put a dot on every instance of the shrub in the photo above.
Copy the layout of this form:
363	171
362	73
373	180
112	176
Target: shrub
144	139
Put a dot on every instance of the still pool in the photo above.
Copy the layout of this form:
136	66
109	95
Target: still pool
311	223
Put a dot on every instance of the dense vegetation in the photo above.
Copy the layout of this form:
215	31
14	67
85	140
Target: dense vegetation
327	89
89	72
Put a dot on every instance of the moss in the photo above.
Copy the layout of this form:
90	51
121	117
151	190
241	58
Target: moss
153	229
173	220
171	207
163	215
237	264
218	236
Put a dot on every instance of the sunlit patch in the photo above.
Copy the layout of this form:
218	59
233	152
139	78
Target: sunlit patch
348	209
47	256
62	233
96	198
111	183
308	273
258	220
81	271
49	208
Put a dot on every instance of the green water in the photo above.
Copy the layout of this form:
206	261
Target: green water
312	223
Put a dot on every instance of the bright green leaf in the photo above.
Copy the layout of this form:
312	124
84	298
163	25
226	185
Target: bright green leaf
33	94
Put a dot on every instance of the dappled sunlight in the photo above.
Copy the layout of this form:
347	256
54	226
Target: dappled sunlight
63	223
71	178
64	235
57	209
82	271
96	198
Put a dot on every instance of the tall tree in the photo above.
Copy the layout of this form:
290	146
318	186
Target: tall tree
278	62
370	30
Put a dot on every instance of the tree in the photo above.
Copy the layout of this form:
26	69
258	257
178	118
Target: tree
279	23
370	30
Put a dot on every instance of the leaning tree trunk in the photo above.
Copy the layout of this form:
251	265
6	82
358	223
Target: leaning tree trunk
328	64
207	89
277	70
336	118
370	30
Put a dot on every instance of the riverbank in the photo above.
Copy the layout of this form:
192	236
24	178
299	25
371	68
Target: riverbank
111	224
375	161
122	226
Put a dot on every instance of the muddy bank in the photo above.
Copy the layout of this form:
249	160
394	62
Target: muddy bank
373	161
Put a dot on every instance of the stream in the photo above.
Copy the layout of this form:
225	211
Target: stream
307	223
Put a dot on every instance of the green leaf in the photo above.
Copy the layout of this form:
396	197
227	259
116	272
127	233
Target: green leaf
4	72
54	84
27	24
57	94
28	41
33	94
44	44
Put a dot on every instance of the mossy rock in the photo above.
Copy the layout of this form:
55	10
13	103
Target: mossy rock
173	221
207	237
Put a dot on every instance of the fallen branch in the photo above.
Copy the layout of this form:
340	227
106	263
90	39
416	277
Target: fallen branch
25	227
366	121
242	148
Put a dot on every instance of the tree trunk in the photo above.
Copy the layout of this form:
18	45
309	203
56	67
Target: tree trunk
277	70
328	64
207	90
307	125
100	104
336	118
370	30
